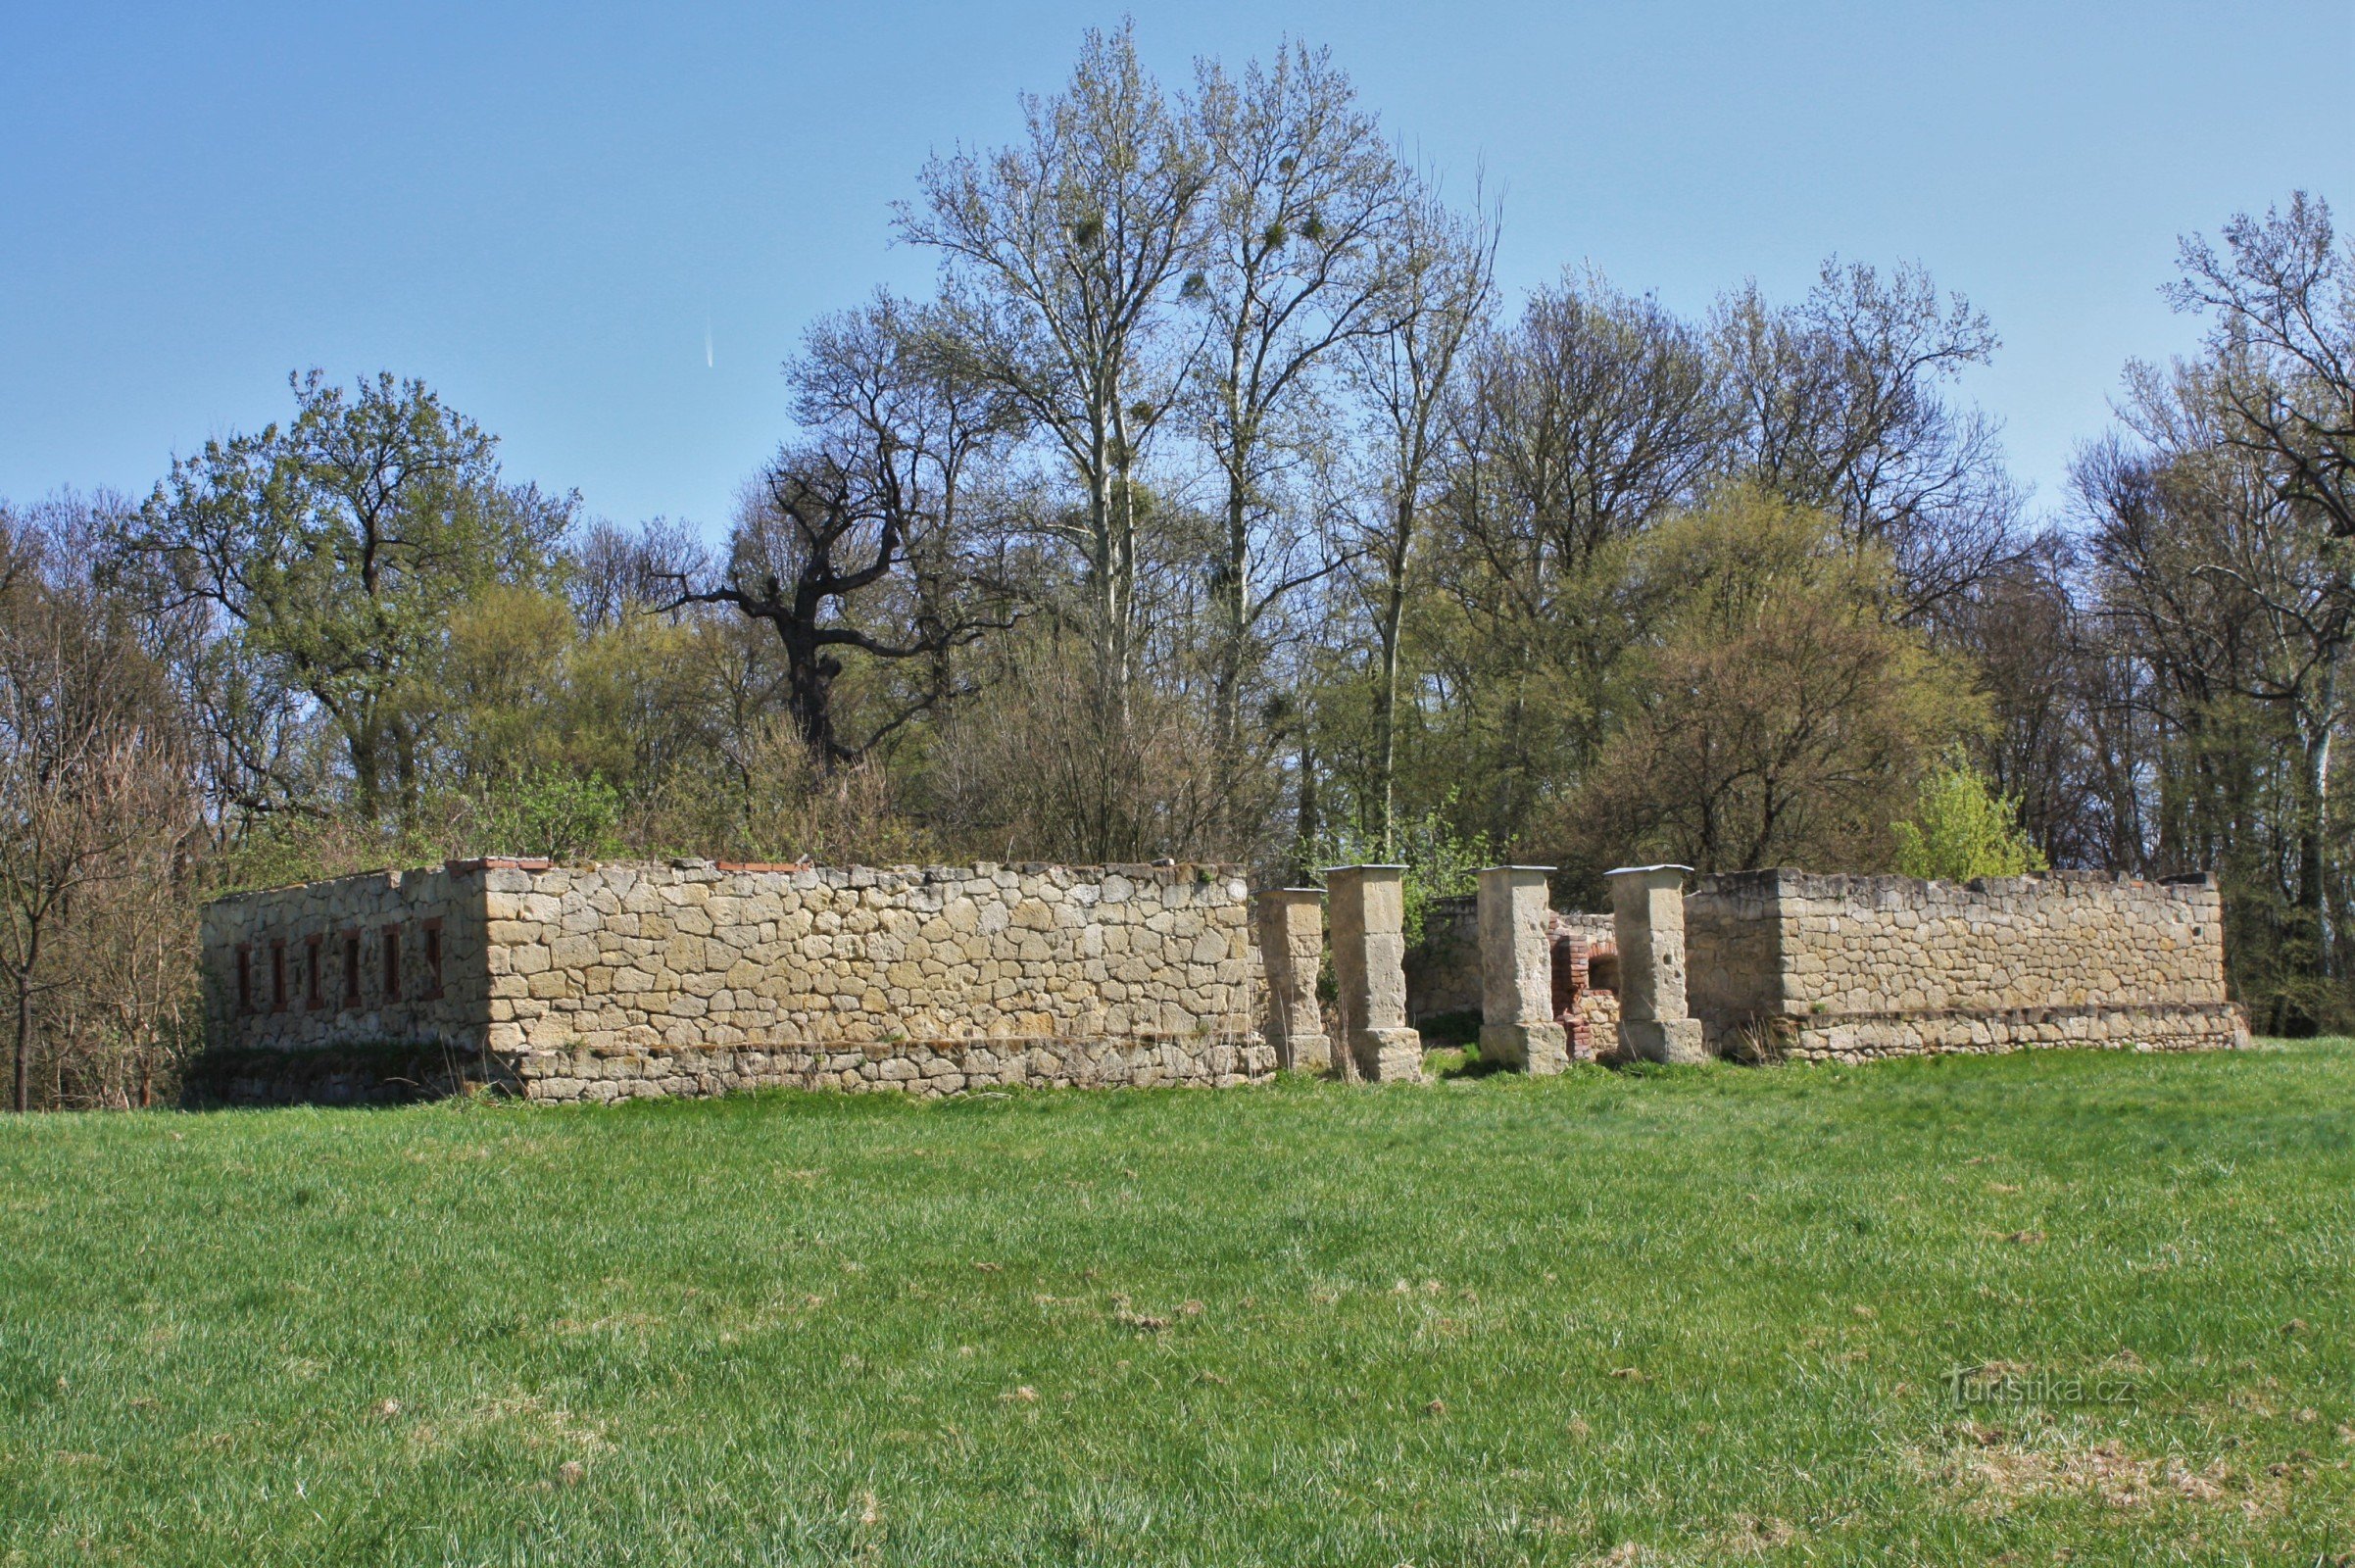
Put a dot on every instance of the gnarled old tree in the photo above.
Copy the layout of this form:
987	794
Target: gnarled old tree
821	532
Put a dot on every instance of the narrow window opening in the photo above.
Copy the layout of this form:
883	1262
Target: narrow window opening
245	979
277	976
434	958
392	963
311	979
351	969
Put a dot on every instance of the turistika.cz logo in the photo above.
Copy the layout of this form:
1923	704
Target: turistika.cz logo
1990	1384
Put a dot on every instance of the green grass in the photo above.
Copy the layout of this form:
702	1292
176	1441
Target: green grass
1667	1317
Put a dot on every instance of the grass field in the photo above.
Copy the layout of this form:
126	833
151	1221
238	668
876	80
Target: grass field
1670	1318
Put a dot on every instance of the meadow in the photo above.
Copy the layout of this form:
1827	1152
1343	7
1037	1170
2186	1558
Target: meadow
2066	1305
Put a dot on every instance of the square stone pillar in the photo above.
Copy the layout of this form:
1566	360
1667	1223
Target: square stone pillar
1517	1029
1368	907
1292	945
1648	918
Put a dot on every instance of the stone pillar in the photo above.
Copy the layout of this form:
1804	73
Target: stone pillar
1648	918
1517	1029
1368	906
1292	945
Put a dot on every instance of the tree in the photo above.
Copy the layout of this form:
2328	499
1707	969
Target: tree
1778	716
890	382
1306	206
92	787
1842	408
1578	426
336	548
2281	345
819	534
1445	268
1062	253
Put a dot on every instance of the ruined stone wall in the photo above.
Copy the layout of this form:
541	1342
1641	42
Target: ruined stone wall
697	977
1442	968
1842	967
606	982
1732	959
383	957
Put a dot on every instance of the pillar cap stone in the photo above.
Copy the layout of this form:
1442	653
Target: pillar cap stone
1648	870
1520	869
1315	892
1330	869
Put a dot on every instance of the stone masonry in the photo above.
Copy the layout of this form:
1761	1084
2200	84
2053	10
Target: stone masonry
1792	964
612	981
1368	912
1648	918
603	982
1517	1029
1292	941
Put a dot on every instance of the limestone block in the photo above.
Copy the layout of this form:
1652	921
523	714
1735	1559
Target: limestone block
1516	966
1367	914
1676	1041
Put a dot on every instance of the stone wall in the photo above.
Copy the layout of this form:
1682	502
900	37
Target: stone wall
1443	968
604	982
1786	964
389	956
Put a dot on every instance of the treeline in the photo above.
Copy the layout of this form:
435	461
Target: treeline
1219	503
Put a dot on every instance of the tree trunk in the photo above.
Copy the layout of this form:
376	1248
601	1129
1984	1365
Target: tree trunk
23	1061
1385	694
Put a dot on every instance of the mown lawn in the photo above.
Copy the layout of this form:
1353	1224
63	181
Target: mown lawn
1689	1317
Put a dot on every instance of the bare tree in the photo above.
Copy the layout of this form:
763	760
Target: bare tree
1305	203
1842	404
91	781
1445	266
1063	255
619	571
2281	296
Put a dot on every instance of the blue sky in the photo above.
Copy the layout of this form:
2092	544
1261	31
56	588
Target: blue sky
540	207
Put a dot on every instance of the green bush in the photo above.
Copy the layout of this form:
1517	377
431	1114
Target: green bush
1962	829
552	812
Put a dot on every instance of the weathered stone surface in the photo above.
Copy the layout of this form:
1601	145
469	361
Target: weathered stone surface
1516	966
1648	921
1367	909
1792	964
690	978
1292	943
597	982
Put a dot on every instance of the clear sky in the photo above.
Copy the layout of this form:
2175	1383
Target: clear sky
543	208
